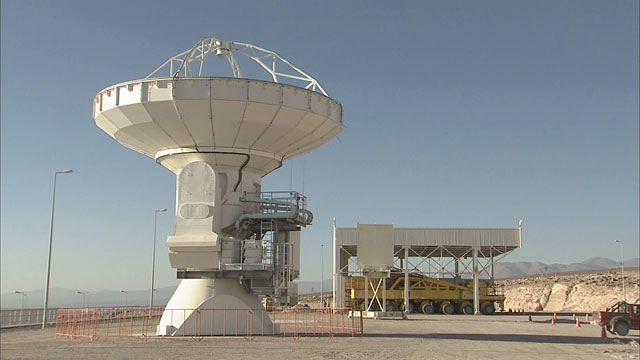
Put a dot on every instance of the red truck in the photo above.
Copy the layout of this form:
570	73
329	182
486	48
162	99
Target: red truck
619	318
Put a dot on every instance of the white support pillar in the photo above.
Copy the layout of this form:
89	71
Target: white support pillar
384	294
406	279
366	293
491	256
476	284
336	270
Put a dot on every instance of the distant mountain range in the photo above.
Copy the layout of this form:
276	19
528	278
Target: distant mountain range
312	287
504	270
60	297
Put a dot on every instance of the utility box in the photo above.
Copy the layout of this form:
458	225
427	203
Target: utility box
375	248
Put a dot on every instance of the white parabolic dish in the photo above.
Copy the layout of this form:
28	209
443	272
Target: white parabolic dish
222	117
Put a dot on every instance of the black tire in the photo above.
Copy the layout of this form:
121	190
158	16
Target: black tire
621	328
427	307
391	306
467	309
488	309
448	308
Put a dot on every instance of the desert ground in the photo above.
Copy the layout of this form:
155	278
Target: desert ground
419	337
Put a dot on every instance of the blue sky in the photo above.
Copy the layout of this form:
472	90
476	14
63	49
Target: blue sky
457	113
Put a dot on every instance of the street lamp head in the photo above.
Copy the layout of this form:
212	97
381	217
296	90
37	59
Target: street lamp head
122	291
618	241
19	292
161	210
64	172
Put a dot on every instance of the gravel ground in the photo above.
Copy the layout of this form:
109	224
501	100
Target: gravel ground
419	337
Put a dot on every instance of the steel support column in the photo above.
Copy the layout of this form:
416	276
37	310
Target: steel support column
457	270
384	294
491	256
336	270
476	284
406	279
366	292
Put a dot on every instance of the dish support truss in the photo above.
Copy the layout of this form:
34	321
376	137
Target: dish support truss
190	63
459	262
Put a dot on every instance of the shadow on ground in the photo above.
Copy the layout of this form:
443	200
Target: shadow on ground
543	339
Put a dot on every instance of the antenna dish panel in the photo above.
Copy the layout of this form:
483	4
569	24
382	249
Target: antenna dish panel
219	116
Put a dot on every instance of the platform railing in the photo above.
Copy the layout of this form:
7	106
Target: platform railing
24	317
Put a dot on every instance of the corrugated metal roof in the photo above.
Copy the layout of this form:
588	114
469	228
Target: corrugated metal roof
455	240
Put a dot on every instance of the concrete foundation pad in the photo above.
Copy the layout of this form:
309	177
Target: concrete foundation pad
390	315
379	315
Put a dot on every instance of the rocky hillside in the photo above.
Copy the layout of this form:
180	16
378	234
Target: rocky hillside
583	291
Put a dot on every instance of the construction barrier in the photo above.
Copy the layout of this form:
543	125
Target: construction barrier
95	323
107	322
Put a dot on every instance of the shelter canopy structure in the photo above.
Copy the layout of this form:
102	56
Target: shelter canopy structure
456	242
456	253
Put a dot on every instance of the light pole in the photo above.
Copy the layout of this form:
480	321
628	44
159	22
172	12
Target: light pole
624	295
153	257
53	208
321	274
83	293
125	297
23	301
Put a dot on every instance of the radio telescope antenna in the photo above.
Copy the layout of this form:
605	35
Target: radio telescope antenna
233	242
190	63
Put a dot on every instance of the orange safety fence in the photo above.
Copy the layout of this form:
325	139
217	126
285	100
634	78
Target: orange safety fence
94	323
107	322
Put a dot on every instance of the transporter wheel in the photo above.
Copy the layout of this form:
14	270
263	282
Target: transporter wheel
426	307
488	309
391	306
448	308
467	309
